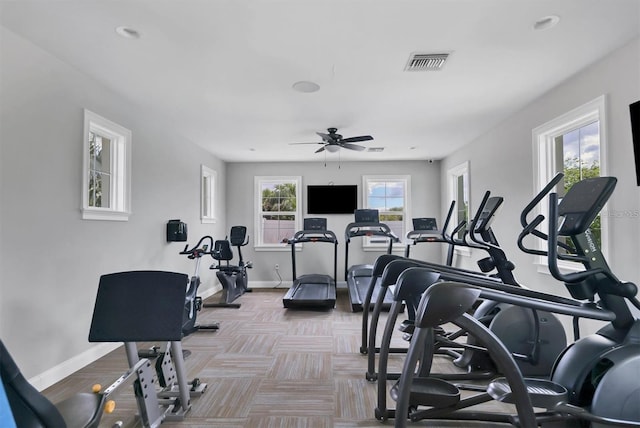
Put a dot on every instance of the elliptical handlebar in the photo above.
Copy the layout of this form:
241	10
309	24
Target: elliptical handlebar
445	226
449	238
474	223
530	228
200	249
539	197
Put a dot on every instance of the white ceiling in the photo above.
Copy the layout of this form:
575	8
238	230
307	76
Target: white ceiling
221	71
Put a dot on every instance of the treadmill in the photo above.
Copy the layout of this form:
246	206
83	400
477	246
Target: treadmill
312	291
425	229
359	277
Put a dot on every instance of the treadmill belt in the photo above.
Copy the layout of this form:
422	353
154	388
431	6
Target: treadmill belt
311	292
358	287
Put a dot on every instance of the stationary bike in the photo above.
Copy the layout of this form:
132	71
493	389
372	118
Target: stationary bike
193	302
233	278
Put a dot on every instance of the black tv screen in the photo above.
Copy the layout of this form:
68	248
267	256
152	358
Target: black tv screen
332	199
634	111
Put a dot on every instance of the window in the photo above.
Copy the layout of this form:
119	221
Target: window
389	194
106	184
458	184
207	194
278	214
574	144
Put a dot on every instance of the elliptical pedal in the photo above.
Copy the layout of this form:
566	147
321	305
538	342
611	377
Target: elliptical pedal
543	393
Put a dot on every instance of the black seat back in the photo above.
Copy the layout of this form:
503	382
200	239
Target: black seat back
222	250
238	235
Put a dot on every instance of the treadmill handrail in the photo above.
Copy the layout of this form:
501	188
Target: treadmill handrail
425	236
367	229
313	236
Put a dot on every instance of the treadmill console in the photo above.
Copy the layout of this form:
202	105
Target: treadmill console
366	216
424	223
315	223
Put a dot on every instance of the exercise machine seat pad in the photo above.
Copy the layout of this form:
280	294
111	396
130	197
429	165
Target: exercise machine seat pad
139	306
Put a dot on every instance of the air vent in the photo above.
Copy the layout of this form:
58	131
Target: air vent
426	62
375	149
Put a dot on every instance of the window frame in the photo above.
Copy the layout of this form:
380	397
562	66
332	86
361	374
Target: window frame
367	245
259	245
460	170
545	161
208	192
119	208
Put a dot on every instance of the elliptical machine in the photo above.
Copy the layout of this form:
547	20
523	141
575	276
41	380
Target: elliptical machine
233	278
594	380
535	337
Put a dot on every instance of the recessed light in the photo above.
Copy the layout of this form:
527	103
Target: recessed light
127	32
305	86
546	22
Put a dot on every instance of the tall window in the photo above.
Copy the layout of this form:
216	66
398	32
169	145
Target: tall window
389	194
207	194
573	144
106	169
278	214
458	183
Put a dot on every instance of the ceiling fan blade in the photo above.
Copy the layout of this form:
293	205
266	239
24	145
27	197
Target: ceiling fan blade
356	139
352	147
325	137
293	144
321	149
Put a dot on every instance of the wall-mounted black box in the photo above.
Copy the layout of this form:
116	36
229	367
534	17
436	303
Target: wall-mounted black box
176	231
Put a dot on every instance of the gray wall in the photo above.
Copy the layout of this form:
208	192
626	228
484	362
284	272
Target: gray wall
502	161
317	258
51	259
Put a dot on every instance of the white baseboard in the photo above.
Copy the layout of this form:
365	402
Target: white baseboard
72	365
269	284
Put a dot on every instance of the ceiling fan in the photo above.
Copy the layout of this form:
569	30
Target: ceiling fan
332	142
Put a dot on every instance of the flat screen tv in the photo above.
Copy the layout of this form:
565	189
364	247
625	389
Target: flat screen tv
634	111
332	199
